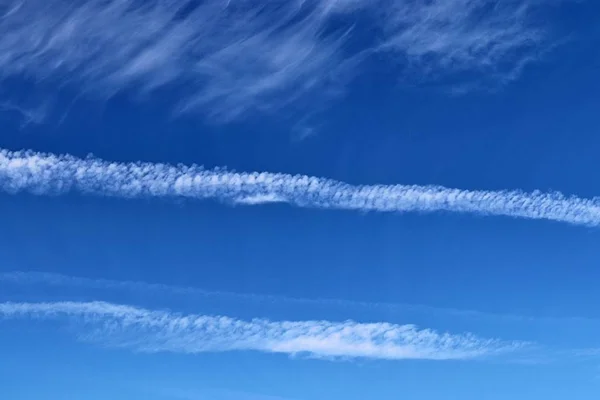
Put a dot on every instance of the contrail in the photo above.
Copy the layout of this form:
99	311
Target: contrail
50	174
191	293
163	331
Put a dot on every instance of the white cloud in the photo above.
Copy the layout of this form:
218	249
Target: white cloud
260	199
230	57
193	294
48	174
163	331
441	36
27	115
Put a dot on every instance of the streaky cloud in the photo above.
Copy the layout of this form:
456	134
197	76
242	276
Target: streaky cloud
439	37
230	56
164	331
27	115
193	293
50	174
239	56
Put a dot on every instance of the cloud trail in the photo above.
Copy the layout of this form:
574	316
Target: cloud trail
49	174
163	331
191	293
244	55
49	279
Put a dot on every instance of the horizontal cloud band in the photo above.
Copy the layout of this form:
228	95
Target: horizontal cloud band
49	174
162	331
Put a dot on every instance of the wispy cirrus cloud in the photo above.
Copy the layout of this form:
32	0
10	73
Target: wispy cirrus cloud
163	331
227	58
27	115
441	37
49	174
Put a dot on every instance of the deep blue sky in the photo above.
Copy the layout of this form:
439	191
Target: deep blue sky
392	119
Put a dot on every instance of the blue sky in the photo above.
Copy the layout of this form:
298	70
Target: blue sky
289	200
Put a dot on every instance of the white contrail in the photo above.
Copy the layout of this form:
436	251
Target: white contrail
191	293
49	174
163	331
49	279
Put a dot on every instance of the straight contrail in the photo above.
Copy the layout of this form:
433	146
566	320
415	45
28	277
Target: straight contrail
163	331
193	294
51	174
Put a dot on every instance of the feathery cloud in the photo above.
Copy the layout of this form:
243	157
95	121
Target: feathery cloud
229	57
162	331
26	115
235	54
440	37
49	174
